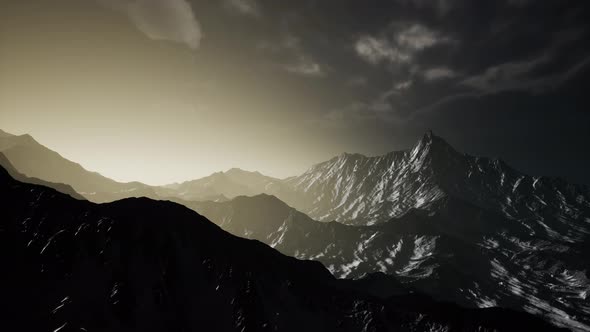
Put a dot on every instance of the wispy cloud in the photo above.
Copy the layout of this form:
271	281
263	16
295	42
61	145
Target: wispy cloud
299	62
399	47
508	76
245	7
403	85
438	73
376	50
172	20
418	37
306	67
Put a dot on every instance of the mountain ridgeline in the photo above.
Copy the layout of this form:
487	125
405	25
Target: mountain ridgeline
428	220
461	228
358	190
36	161
144	265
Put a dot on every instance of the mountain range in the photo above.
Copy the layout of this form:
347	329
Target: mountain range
144	265
464	229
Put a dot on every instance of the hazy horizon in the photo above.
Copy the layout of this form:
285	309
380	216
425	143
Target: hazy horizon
168	91
197	176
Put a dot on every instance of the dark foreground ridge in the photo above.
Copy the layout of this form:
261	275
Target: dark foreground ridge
143	265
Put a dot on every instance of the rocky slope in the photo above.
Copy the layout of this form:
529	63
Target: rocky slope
356	189
454	251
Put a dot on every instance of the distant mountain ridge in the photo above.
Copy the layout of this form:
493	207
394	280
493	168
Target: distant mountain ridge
35	160
229	184
63	188
350	188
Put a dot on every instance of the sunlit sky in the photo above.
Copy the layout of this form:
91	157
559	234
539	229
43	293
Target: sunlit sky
165	91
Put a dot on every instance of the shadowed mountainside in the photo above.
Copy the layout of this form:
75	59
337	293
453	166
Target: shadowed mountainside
62	188
455	251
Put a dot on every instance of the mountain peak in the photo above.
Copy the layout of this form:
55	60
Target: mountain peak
430	138
236	170
431	143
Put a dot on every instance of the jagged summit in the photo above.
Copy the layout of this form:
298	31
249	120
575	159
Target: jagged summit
367	190
431	143
428	144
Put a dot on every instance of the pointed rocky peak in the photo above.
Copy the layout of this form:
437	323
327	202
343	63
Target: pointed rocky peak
432	144
430	139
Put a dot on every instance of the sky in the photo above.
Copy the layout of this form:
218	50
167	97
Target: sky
166	91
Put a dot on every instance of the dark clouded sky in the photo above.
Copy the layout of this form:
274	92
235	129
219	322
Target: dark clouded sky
162	91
